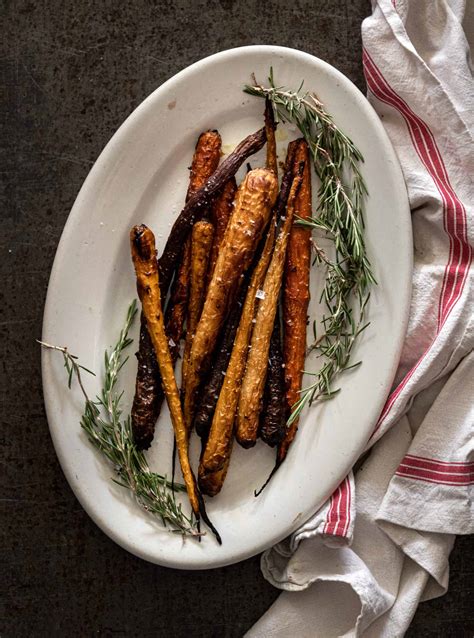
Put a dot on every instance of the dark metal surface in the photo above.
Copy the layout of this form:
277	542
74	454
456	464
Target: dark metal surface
71	73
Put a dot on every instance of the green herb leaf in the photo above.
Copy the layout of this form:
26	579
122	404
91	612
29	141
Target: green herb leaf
341	196
113	437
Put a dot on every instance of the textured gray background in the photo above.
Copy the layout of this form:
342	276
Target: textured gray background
71	73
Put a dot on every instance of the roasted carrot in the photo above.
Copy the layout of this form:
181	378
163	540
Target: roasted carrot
143	249
296	295
221	211
211	482
148	392
142	243
217	451
254	201
205	160
198	201
272	423
273	417
149	395
211	391
176	311
218	447
201	242
251	394
270	127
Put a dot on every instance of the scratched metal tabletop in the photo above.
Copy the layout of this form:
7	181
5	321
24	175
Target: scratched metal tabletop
71	72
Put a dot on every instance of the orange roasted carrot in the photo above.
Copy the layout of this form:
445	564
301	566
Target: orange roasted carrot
273	414
143	249
220	214
148	391
253	382
296	295
254	202
219	443
205	160
201	243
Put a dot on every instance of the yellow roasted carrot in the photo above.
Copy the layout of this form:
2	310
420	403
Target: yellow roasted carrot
142	242
211	482
201	243
148	392
254	201
251	394
216	456
219	443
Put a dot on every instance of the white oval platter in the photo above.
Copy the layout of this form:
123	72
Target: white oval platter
141	176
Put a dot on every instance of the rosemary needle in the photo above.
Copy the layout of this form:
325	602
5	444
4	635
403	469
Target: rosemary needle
341	195
112	436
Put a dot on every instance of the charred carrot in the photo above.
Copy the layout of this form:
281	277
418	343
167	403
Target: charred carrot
211	391
205	160
211	482
142	243
254	201
148	392
198	202
218	447
272	421
273	417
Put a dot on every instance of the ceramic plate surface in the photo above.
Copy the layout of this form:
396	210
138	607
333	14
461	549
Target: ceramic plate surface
141	176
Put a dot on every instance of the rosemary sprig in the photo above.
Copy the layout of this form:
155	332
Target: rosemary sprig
341	194
112	436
